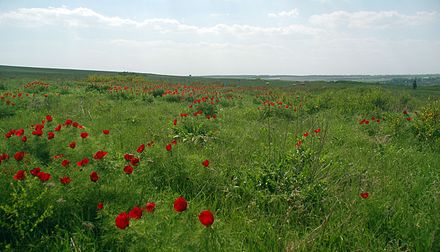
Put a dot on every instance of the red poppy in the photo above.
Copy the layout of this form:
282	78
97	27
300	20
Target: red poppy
174	142
65	180
106	132
168	147
72	145
49	118
405	112
84	135
141	148
58	156
364	195
94	176
65	163
19	132
100	205
100	154
134	161
50	135
83	162
205	163
174	122
4	156
37	132
68	122
19	155
135	213
128	157
75	124
409	119
180	204
24	139
128	169
43	176
122	220
20	175
317	130
206	218
35	171
58	128
150	207
306	134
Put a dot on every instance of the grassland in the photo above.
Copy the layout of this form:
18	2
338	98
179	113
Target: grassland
289	165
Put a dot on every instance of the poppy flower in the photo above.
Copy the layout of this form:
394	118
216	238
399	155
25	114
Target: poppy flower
317	130
174	122
84	135
405	112
94	176
168	147
65	180
180	204
174	142
68	122
19	155
35	171
364	195
106	132
75	124
100	154
65	163
409	119
83	162
128	169
306	134
122	220
135	213
49	118
206	218
50	135
100	205
128	157
134	161
4	156
24	139
57	128
205	163
141	148
37	132
19	132
150	207
43	176
20	175
72	145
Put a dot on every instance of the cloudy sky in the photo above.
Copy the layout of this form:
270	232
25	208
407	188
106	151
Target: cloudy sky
202	37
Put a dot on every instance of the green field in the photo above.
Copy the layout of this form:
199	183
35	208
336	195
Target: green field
293	166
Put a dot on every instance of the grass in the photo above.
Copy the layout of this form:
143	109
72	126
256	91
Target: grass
269	187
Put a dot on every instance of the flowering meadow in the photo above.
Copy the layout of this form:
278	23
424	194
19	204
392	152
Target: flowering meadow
111	163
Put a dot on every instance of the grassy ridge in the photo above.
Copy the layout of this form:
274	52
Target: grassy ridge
286	168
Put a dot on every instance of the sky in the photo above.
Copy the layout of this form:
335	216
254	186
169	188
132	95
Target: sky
221	37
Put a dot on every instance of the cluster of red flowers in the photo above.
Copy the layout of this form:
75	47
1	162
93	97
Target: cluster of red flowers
373	119
304	136
122	220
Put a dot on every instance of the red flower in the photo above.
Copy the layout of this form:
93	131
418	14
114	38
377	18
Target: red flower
180	204
83	162
68	122
405	112
306	134
20	175
134	161
122	220
128	169
174	142
65	180
150	207
35	171
135	213
4	156
205	163
65	163
24	139
128	157
19	155
50	135
75	124
84	135
100	205
100	154
106	132
174	122
168	147
141	148
19	132
49	118
58	128
317	130
206	218
37	132
43	176
364	195
409	119
94	176
72	145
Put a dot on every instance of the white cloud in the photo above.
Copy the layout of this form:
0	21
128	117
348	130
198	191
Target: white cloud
84	17
372	19
290	13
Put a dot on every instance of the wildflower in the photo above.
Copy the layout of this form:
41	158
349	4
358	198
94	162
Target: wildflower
364	195
141	148
122	220
206	218
19	155
100	205
84	135
43	176
100	154
72	145
49	118
35	171
65	180
20	175
50	135
150	207
106	132
135	213
168	147
180	204
128	169
65	163
205	163
94	176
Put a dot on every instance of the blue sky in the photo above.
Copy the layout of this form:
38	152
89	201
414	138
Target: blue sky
224	36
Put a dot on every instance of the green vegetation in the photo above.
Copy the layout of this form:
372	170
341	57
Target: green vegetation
289	167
